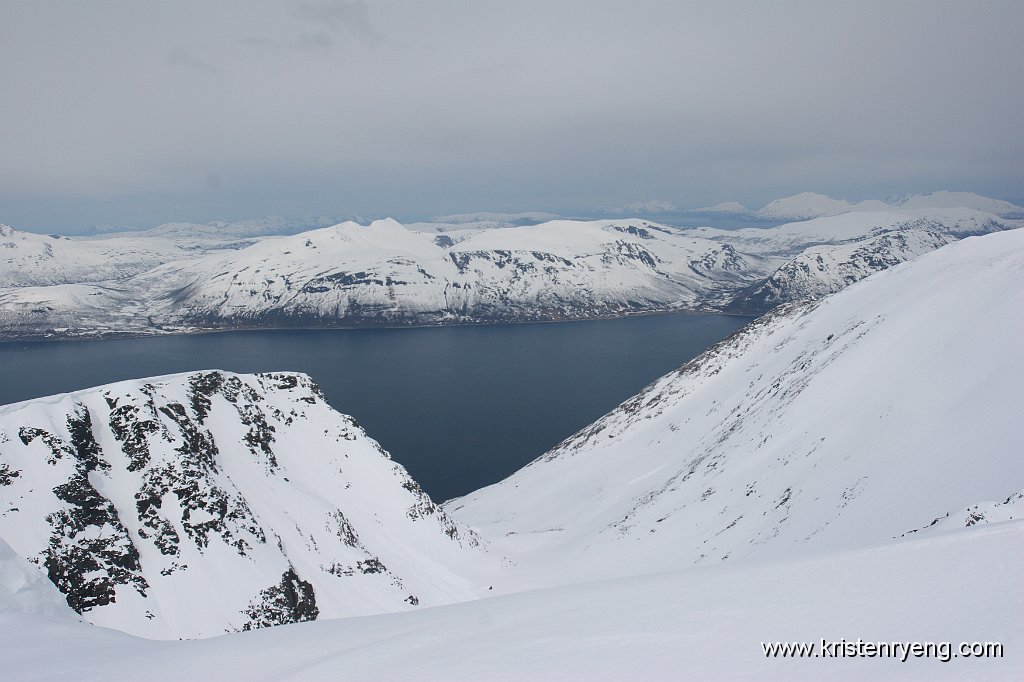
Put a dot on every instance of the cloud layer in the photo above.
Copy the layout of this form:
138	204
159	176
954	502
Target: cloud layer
145	112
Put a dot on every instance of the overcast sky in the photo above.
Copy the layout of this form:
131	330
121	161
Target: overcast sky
142	112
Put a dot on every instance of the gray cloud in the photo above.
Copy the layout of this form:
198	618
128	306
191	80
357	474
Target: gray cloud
181	57
121	111
352	17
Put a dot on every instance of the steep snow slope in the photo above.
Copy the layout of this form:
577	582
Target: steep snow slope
24	589
701	624
844	422
191	505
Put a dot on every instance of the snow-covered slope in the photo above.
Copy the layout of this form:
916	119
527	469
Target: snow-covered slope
24	589
28	259
699	624
825	425
825	269
192	505
836	251
70	310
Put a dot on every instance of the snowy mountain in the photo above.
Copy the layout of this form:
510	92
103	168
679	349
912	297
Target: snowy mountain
840	423
204	503
826	268
228	230
833	252
28	259
807	205
947	199
386	274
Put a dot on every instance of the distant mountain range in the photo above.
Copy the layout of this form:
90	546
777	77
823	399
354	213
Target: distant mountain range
475	269
807	205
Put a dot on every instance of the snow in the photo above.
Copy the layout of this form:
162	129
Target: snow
28	259
195	511
947	199
24	589
705	624
387	274
812	205
477	268
834	424
804	205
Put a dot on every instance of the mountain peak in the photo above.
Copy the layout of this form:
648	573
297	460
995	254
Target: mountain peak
804	205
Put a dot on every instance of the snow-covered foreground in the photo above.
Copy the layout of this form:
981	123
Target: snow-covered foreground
700	624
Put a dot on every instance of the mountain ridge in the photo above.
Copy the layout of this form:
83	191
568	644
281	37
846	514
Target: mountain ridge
384	274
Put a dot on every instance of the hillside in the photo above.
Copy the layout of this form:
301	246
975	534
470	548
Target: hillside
826	425
204	503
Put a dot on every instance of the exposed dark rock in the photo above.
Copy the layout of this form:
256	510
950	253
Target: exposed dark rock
7	474
86	565
290	601
371	565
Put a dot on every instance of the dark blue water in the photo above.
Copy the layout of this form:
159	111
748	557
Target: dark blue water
460	407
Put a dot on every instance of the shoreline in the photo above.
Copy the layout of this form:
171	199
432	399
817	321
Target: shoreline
369	325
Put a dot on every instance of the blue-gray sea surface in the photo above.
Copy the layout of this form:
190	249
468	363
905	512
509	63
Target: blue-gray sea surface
460	407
